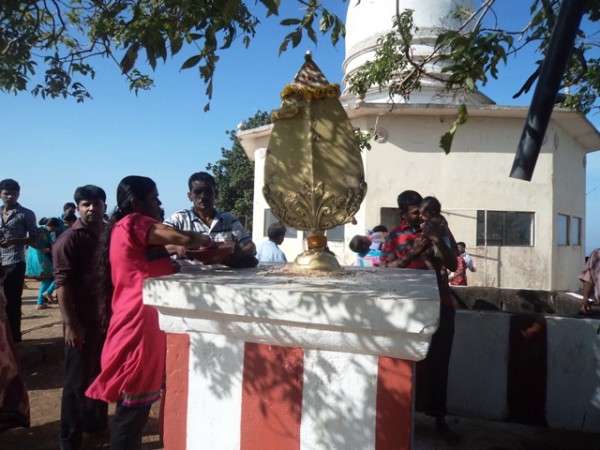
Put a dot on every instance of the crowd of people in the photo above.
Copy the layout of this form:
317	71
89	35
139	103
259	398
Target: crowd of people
94	266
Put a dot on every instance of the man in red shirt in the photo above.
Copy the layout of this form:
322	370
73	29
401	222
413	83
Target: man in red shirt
408	247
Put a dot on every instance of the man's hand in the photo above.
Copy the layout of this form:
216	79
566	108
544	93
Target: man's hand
5	243
74	336
421	243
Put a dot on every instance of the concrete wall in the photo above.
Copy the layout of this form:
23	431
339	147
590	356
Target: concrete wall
526	368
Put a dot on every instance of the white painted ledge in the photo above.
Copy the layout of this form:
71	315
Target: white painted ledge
386	312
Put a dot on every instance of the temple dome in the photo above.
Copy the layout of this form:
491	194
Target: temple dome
368	20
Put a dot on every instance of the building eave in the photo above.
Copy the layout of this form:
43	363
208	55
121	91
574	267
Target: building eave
247	138
574	123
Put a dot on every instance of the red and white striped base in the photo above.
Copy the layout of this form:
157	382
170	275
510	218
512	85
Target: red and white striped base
224	393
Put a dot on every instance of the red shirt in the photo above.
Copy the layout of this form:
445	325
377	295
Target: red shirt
399	241
460	274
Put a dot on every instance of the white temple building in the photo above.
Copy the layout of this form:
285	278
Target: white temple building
525	235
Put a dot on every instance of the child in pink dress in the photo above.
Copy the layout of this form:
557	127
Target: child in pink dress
133	357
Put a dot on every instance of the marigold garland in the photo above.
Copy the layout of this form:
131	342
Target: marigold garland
310	94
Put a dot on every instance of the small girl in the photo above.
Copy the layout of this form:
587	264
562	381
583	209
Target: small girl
38	261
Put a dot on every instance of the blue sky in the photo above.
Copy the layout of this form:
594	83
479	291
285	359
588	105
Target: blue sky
53	146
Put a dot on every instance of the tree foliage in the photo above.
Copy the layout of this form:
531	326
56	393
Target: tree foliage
475	51
234	174
62	38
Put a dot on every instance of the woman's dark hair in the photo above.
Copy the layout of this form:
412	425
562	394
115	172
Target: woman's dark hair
52	222
133	186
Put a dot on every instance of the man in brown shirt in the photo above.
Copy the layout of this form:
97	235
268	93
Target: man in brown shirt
74	261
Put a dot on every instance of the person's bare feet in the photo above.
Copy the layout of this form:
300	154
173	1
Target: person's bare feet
49	298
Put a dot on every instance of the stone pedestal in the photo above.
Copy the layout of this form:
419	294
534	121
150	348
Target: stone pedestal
266	359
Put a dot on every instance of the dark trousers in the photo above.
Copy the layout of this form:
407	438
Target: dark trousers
13	290
128	428
432	372
80	414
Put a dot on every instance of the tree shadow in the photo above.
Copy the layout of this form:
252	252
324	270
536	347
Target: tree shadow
290	315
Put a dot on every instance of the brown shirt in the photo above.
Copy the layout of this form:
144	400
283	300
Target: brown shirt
73	256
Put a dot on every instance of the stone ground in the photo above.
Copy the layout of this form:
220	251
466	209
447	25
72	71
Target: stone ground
42	359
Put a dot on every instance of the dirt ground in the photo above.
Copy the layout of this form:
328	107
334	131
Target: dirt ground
42	359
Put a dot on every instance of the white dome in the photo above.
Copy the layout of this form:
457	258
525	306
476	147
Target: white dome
368	20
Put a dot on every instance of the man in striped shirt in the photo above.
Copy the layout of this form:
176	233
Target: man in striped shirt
205	218
17	229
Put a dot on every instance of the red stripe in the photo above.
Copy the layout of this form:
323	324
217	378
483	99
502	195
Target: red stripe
271	397
176	395
395	388
526	383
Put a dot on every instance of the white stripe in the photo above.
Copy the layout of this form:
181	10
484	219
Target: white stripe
215	392
573	389
339	398
478	366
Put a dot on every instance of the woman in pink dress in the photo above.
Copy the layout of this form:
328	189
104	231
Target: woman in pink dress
133	358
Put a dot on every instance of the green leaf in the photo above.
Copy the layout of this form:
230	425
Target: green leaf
272	6
326	22
191	62
130	58
448	137
176	44
290	22
311	34
470	84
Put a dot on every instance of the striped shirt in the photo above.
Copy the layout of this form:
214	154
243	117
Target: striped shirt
399	241
222	224
19	224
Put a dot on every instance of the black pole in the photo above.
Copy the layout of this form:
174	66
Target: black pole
544	96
